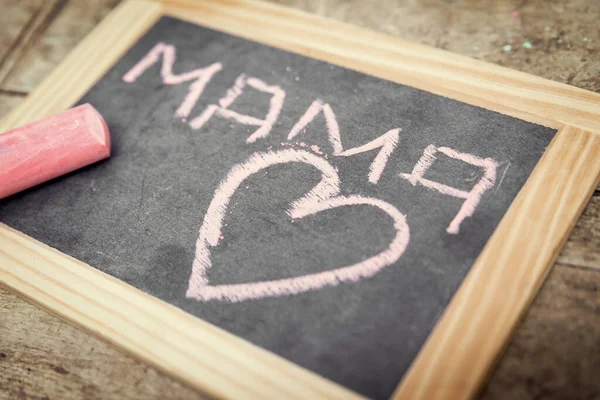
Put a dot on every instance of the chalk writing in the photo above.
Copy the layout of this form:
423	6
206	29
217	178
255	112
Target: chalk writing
387	142
472	198
278	96
324	196
200	76
333	130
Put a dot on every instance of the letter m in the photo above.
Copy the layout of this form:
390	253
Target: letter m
200	76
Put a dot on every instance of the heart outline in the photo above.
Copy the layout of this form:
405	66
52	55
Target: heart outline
324	196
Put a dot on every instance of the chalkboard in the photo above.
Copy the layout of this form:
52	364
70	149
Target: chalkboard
322	214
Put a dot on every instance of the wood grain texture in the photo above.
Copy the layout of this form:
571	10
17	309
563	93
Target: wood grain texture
13	24
563	35
28	36
202	355
82	67
501	89
583	247
9	102
506	276
506	60
553	355
38	360
72	21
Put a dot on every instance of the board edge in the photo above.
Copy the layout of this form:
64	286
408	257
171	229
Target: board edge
546	210
504	90
94	55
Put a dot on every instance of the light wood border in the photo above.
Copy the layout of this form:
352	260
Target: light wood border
482	314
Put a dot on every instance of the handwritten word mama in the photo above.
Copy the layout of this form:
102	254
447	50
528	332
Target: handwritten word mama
199	78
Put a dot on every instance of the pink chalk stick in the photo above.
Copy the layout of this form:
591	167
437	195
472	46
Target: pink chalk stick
52	147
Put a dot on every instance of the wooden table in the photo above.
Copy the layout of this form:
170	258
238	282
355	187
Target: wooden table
555	353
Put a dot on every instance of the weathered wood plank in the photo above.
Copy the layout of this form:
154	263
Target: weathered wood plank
563	43
57	37
14	22
8	102
563	36
583	246
31	32
554	353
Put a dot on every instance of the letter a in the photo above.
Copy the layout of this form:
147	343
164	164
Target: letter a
472	197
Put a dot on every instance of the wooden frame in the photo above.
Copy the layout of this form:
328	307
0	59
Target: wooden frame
482	314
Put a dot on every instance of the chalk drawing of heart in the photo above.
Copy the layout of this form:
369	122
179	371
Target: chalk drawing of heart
324	196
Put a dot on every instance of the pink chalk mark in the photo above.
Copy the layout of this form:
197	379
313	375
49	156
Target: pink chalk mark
388	142
234	92
472	197
200	76
265	125
333	130
516	18
316	149
324	196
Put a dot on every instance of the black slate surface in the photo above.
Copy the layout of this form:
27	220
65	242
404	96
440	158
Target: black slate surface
137	215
